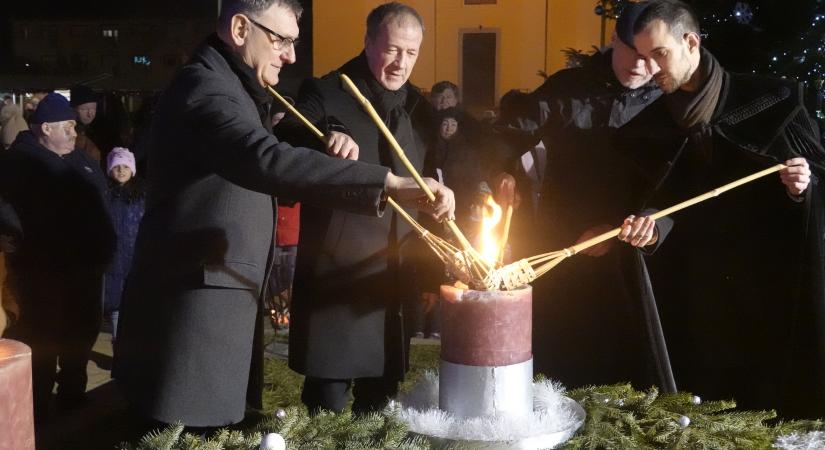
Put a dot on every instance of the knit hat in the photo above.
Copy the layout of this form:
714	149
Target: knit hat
82	94
627	20
120	156
53	108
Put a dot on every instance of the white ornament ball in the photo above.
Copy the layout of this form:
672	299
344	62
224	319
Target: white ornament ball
273	441
696	400
281	414
684	421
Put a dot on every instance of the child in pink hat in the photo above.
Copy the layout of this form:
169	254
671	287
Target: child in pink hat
126	205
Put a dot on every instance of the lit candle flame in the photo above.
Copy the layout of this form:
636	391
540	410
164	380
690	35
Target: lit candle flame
490	246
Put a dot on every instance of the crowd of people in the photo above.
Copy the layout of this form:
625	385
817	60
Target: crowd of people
238	203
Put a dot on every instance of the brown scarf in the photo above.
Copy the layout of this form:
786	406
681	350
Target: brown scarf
695	108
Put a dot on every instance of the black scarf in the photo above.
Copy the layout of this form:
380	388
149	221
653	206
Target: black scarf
690	109
248	78
390	105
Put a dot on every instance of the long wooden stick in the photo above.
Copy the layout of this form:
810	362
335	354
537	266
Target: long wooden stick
403	157
505	235
439	246
513	275
297	114
685	204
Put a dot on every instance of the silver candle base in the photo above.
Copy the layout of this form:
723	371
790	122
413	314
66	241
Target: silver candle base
554	420
478	391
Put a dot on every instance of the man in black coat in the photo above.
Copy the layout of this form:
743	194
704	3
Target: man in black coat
189	346
595	318
740	279
60	238
345	317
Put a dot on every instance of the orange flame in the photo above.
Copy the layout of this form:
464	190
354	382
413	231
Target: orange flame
490	245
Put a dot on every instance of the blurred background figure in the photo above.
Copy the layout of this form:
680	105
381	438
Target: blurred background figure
84	101
11	124
445	94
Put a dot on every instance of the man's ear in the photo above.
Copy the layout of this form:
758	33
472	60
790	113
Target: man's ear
46	129
239	29
693	41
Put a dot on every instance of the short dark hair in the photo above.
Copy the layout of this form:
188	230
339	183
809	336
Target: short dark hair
442	86
448	113
255	7
677	15
387	12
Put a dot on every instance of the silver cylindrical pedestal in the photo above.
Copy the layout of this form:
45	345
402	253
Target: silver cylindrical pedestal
475	391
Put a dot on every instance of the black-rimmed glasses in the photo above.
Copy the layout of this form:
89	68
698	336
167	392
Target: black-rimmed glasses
280	41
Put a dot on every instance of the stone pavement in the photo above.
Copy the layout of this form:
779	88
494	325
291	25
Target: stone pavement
99	368
102	423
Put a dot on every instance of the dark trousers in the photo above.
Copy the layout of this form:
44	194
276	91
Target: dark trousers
370	394
421	321
60	315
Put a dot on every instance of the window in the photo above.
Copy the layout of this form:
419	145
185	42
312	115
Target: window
79	30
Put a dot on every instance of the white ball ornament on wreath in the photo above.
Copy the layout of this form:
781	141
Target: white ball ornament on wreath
273	441
696	400
684	421
281	414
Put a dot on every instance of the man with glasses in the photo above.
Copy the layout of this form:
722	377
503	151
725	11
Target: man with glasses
346	328
189	347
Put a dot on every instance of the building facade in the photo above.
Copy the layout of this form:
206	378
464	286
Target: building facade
122	54
487	47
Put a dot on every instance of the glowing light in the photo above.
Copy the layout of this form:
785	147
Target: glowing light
490	245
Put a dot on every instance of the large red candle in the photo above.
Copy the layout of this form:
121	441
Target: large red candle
16	415
486	328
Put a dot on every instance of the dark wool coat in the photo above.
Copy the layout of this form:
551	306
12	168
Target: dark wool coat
126	213
56	205
345	317
188	317
740	279
595	319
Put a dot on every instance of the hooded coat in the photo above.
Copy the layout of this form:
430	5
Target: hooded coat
595	320
739	281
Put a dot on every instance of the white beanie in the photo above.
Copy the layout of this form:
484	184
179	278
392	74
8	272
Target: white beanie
120	156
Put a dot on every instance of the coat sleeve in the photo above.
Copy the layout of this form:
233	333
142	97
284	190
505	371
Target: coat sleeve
245	153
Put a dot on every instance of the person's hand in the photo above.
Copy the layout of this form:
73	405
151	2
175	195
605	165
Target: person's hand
8	243
342	146
639	231
796	176
429	299
598	249
504	190
406	192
